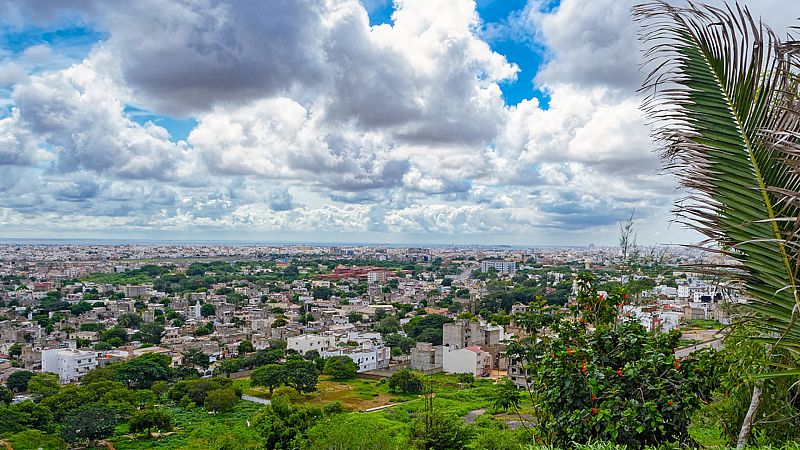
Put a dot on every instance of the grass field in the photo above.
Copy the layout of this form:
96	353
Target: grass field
197	429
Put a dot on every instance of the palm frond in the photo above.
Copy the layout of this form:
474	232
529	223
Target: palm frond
722	103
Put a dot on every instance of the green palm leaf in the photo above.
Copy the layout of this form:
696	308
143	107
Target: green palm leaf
723	109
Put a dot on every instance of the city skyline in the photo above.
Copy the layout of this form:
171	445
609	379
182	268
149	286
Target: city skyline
408	122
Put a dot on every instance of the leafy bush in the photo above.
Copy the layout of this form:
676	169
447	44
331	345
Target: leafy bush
406	381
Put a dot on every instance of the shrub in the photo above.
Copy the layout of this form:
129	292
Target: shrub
406	381
221	400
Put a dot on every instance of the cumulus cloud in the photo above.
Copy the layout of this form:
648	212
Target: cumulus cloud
310	119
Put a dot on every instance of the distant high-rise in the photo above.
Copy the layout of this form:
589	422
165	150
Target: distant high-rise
499	266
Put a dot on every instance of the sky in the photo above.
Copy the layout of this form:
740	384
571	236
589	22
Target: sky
413	121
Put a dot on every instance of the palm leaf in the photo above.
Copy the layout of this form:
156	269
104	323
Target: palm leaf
722	103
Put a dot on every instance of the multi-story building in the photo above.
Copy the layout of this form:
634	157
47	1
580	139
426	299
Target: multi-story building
308	342
426	357
500	266
69	364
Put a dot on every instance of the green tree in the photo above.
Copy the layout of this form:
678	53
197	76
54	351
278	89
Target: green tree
355	317
388	325
151	333
269	376
6	396
149	420
15	351
141	372
281	423
406	381
207	310
88	423
340	367
434	430
301	375
18	381
245	346
221	400
44	385
196	358
230	365
728	129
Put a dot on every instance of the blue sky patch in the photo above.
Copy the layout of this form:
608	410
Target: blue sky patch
178	129
72	41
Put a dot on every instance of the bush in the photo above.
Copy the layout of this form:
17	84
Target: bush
290	394
619	385
406	381
221	400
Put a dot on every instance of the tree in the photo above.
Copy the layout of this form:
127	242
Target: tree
406	381
301	375
141	372
18	381
15	351
388	325
269	376
355	317
396	340
151	333
88	423
44	385
207	310
148	420
221	400
6	396
340	367
434	430
230	365
507	396
281	422
245	346
196	358
729	132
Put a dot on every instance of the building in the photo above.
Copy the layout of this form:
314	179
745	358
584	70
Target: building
508	267
308	342
367	357
69	364
470	360
376	277
427	357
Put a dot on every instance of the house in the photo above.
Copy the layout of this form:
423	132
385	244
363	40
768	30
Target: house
69	364
471	360
427	357
307	342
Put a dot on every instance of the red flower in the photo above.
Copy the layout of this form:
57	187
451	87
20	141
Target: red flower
625	296
594	397
676	364
570	351
594	411
619	372
669	403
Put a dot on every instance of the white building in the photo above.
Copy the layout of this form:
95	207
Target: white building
307	342
499	266
69	365
366	357
466	360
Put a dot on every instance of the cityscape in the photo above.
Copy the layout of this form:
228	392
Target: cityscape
399	224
